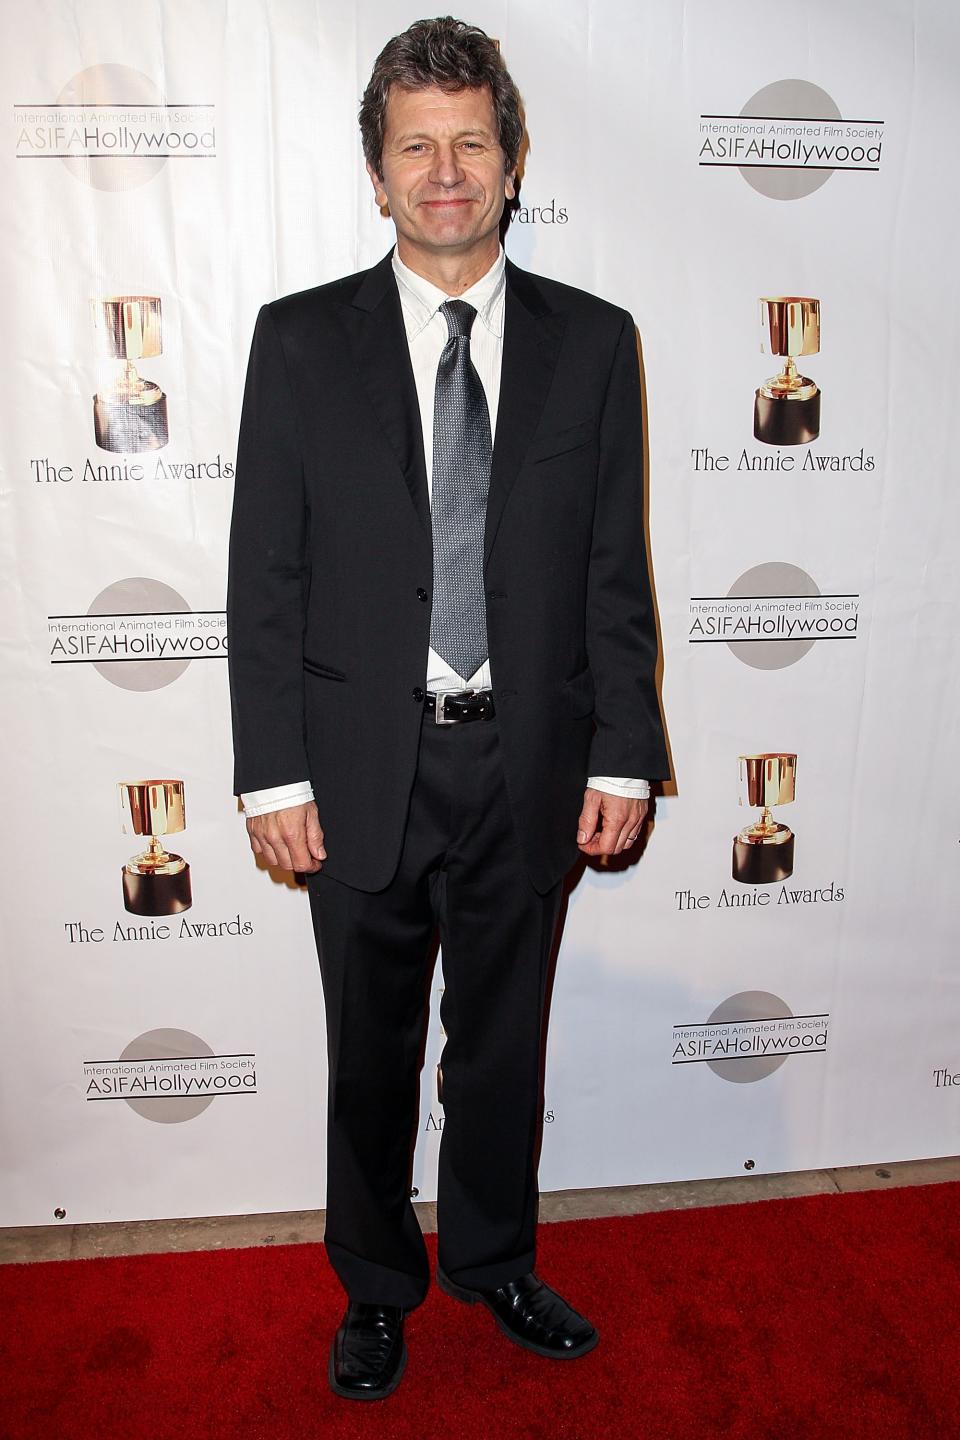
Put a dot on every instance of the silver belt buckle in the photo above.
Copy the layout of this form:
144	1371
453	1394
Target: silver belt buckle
439	717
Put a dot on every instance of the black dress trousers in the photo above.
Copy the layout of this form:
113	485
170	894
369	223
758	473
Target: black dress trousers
460	870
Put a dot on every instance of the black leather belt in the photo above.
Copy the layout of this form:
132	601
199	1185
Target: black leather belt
452	707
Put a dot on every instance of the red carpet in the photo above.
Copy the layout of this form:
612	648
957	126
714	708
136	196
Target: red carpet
831	1316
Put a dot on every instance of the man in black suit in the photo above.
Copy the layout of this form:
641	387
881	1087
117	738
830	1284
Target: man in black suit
442	656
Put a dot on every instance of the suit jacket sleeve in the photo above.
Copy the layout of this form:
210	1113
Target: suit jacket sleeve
268	578
620	627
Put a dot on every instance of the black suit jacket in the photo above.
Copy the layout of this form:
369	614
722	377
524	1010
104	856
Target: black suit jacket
331	556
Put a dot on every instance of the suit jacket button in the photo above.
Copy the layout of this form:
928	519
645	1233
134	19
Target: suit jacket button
421	593
418	694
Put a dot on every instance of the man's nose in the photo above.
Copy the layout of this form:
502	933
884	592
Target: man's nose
446	169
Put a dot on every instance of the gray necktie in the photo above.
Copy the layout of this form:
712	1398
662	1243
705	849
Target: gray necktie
462	452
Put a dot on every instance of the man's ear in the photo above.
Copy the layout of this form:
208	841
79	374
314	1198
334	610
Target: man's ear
378	190
510	184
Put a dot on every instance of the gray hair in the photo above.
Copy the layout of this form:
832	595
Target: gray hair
452	55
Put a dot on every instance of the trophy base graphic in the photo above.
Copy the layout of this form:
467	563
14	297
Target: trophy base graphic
122	424
158	892
786	419
763	861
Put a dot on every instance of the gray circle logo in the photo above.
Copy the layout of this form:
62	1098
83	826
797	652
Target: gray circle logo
110	86
750	1006
771	581
788	100
164	1048
128	598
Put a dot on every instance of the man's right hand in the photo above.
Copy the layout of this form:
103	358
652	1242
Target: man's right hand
290	839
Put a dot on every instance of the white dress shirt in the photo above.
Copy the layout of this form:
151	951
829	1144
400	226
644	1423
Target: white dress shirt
426	328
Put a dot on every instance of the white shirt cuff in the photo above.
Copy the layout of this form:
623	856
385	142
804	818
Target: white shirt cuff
278	797
614	785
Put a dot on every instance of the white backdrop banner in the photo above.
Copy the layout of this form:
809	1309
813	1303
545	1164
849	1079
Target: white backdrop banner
773	984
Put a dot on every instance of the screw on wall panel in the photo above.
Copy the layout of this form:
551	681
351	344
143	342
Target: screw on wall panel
60	1213
749	1164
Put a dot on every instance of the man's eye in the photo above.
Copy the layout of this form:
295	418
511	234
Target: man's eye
415	147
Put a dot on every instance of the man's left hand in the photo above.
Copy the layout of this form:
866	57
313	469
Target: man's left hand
609	823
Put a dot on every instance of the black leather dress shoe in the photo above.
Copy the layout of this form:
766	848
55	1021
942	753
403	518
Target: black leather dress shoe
368	1356
532	1315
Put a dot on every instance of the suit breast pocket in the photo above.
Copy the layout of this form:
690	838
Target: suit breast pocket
561	442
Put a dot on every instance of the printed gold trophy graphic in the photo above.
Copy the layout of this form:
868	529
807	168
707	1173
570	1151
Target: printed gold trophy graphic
763	852
786	408
129	413
155	882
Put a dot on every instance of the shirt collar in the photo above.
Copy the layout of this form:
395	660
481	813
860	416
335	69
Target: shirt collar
420	299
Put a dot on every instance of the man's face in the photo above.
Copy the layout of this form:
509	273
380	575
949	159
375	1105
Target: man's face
443	177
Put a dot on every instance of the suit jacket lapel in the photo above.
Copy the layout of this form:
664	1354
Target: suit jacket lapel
531	344
383	358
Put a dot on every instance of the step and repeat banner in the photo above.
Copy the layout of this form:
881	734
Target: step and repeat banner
773	985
